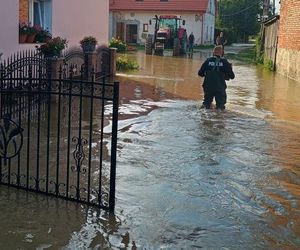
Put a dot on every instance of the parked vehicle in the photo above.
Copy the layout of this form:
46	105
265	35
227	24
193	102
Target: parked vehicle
168	33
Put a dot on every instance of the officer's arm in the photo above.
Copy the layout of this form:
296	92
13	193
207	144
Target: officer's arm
228	70
202	70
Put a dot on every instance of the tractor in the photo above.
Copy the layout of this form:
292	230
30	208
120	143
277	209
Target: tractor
168	34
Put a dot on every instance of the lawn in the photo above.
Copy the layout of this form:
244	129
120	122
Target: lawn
246	55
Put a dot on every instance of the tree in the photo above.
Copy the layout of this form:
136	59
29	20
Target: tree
240	18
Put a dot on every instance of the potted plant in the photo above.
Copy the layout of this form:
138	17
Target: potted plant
88	44
31	33
43	36
53	47
23	32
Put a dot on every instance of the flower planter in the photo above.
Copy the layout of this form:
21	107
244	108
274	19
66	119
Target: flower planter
52	54
88	47
53	48
22	38
30	38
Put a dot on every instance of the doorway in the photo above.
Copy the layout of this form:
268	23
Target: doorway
120	31
131	33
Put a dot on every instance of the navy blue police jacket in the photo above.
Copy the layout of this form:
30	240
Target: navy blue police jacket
215	70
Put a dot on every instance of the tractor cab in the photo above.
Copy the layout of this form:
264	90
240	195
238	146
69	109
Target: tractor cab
167	29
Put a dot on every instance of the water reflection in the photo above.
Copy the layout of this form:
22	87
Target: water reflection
187	178
254	91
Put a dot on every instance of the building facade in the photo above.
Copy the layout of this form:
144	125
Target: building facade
129	19
288	53
70	19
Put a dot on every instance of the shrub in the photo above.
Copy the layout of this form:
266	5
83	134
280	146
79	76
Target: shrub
259	52
118	44
123	64
268	64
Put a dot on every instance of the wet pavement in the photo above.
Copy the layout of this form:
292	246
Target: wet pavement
187	178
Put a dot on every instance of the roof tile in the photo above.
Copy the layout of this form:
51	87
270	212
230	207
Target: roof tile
157	5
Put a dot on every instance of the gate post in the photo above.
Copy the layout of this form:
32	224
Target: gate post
113	162
54	65
113	61
90	65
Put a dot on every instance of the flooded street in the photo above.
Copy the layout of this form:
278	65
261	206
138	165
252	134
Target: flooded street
187	178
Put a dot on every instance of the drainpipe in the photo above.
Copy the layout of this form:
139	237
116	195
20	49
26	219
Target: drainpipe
202	21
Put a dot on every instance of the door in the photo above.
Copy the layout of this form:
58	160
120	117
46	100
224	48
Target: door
131	33
120	31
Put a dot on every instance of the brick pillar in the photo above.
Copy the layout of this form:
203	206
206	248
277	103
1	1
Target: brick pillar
113	61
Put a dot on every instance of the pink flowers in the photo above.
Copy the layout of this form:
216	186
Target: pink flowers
53	46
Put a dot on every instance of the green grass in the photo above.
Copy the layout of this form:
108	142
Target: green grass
268	64
245	55
204	46
139	47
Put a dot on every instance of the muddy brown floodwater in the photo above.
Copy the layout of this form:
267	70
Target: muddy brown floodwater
187	178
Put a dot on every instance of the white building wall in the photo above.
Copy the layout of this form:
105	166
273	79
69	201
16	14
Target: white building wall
209	29
194	22
71	19
209	23
132	18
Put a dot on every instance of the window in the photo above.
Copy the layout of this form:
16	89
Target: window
40	13
164	0
145	27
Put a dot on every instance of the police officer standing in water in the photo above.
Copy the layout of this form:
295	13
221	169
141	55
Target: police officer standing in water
215	71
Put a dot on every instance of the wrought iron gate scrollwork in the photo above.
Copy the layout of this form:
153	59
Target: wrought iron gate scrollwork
11	139
79	155
52	138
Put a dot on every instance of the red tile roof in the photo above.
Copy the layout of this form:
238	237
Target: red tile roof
157	5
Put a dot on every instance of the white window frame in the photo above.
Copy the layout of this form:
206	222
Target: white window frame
45	22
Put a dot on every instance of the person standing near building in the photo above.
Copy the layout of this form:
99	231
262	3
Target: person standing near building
215	71
221	40
191	42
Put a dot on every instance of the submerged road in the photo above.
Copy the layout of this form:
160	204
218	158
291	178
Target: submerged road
187	178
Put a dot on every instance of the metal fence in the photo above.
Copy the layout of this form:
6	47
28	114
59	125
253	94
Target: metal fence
58	136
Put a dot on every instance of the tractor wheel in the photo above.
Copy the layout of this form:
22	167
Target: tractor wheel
159	52
176	48
148	45
159	49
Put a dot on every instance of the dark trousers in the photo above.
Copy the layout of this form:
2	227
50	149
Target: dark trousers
219	95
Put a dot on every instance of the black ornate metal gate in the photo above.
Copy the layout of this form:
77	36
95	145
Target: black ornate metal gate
58	136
